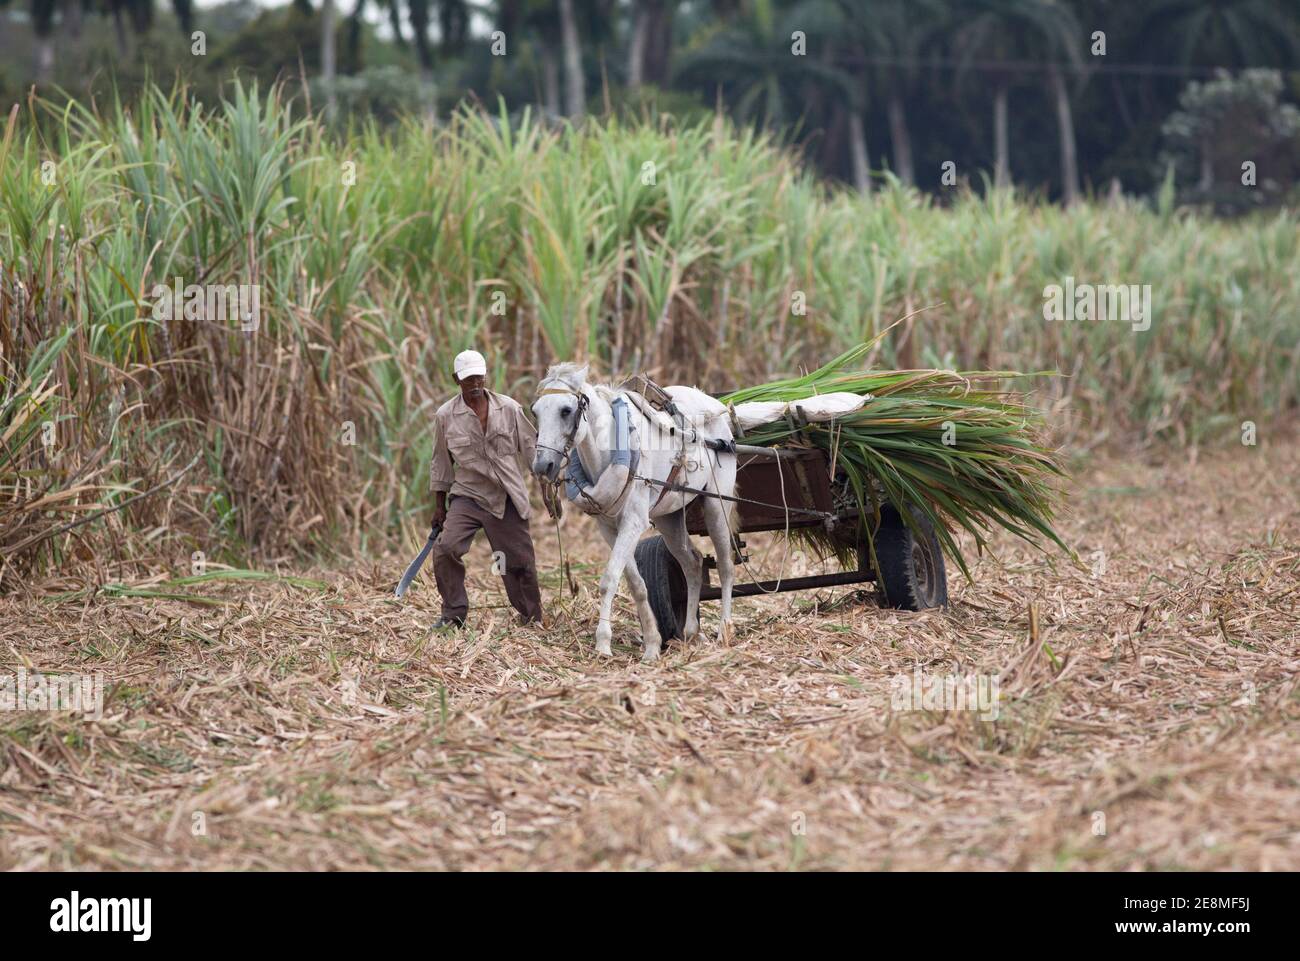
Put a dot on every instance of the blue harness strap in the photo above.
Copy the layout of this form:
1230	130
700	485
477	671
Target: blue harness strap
623	453
576	477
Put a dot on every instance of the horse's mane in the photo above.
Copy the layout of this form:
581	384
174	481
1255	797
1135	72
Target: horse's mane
568	373
574	376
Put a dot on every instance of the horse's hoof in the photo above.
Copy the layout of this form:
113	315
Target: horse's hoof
604	635
726	635
649	656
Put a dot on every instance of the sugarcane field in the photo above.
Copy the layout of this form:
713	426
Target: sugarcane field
650	436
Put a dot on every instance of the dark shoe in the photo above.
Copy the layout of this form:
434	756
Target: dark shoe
446	623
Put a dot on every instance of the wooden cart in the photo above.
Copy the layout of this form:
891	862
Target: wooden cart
786	488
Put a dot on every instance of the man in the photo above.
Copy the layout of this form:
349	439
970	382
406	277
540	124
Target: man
482	450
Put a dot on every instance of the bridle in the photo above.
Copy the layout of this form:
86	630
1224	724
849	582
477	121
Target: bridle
577	421
567	452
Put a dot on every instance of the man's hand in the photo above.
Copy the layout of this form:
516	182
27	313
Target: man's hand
439	508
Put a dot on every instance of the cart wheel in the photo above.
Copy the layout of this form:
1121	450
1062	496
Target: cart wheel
912	575
665	584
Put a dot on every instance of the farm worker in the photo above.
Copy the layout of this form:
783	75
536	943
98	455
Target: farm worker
481	451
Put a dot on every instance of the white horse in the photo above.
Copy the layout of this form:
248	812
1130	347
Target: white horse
577	419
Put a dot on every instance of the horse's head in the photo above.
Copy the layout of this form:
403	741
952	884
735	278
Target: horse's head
560	411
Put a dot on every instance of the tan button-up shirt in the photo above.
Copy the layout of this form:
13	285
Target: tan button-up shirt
484	466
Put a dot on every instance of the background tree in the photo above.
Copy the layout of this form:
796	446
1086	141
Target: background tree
575	93
881	45
920	76
328	38
748	60
1000	36
1224	33
42	12
650	44
1062	39
1228	131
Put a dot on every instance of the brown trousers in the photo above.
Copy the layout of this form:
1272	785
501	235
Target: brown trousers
511	542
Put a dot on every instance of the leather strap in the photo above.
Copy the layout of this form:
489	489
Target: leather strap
672	479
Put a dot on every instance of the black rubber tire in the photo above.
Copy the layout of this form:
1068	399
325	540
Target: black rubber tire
911	573
665	584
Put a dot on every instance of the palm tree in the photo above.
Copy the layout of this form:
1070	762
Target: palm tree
902	29
327	52
650	43
748	61
453	28
546	39
1063	36
453	21
871	34
575	94
533	29
1000	33
986	34
1229	33
418	14
840	31
42	13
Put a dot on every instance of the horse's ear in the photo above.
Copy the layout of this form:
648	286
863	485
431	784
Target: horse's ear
581	375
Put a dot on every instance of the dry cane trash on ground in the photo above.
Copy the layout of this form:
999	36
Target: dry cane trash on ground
1147	720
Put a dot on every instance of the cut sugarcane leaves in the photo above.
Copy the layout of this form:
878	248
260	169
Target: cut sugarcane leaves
960	448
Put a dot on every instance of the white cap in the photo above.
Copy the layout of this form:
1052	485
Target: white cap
469	363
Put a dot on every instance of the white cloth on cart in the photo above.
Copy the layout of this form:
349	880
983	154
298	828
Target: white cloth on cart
818	407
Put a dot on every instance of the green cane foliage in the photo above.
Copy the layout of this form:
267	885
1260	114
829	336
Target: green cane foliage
701	252
951	445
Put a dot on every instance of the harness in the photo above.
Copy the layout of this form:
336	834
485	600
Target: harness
623	453
576	478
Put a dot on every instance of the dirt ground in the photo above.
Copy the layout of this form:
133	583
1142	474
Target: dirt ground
1147	718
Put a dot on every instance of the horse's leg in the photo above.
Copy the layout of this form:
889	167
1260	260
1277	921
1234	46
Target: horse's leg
673	528
631	525
650	635
715	519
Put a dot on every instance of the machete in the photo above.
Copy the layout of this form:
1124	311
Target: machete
416	564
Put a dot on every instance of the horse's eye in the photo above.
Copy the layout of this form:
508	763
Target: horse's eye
565	412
